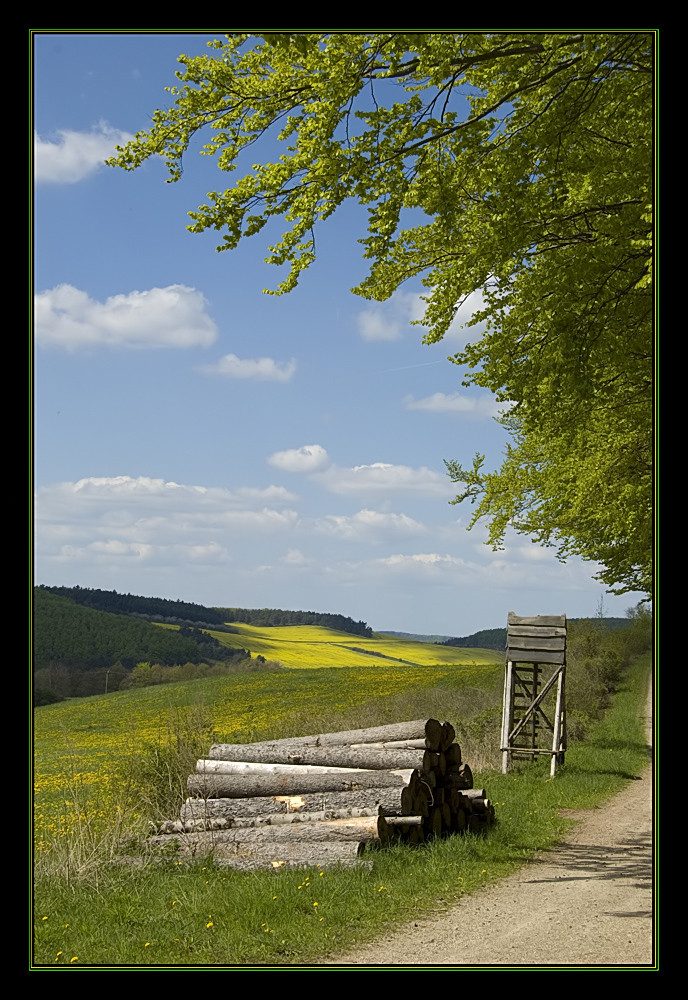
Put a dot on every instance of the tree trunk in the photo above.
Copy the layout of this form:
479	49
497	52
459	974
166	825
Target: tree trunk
292	805
242	786
394	732
360	829
338	756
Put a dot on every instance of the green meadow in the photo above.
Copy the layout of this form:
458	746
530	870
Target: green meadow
106	768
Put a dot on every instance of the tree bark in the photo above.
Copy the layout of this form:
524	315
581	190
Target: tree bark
394	732
359	829
248	786
291	805
337	756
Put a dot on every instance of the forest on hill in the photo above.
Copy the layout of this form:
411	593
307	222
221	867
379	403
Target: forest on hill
77	650
266	617
495	638
153	608
159	609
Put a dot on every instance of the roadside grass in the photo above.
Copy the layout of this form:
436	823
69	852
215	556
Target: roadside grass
157	911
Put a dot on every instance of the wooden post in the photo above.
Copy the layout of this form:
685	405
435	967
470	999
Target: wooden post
507	715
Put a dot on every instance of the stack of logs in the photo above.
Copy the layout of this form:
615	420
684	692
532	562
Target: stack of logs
325	799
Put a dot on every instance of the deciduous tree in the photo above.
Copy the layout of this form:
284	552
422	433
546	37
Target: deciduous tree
530	155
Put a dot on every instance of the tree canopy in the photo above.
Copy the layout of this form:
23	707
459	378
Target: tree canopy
530	157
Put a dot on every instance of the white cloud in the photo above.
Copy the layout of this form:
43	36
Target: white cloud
121	515
382	477
74	155
308	458
175	316
262	369
482	405
387	320
295	557
472	303
117	548
421	559
212	553
368	524
114	491
250	496
374	325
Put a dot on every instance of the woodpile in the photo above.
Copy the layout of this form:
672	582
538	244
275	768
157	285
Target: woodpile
328	798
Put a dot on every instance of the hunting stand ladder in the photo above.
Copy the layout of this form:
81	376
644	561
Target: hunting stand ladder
535	664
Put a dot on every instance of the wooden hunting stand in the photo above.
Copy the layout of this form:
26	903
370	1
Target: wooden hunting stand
535	663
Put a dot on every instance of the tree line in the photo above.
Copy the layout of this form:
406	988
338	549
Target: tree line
495	638
132	604
183	613
266	617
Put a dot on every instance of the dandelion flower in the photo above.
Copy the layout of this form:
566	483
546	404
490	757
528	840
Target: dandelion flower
209	924
75	959
44	918
147	944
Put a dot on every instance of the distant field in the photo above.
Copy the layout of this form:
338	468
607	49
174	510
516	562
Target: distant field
306	646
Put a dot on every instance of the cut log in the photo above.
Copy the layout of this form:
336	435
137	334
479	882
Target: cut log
376	734
433	824
266	864
474	793
206	823
434	761
448	735
433	734
274	855
252	767
366	798
362	829
403	820
394	745
392	829
341	757
214	786
459	776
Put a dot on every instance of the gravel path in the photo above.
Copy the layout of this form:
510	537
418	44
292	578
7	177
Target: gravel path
587	902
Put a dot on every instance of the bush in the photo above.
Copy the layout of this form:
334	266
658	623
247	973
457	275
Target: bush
44	696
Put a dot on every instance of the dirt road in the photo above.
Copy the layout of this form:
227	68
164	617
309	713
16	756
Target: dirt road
587	902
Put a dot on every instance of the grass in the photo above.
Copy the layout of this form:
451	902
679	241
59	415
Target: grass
159	912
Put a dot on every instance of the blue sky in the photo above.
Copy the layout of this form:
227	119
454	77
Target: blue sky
197	439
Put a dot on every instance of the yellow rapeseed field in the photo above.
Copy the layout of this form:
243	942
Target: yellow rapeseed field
315	646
